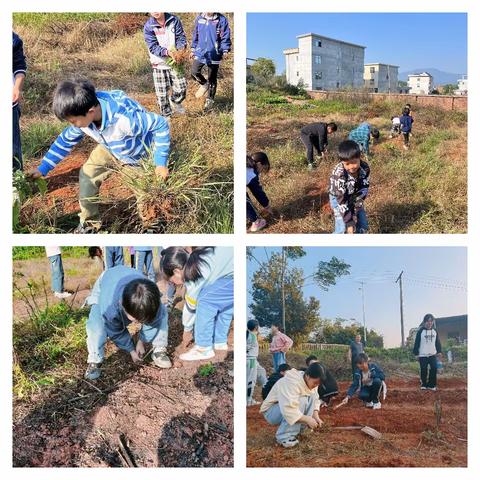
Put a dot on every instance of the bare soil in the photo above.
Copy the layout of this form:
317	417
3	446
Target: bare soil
406	421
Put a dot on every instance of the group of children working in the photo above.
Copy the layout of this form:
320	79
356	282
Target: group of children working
124	130
123	295
349	181
292	398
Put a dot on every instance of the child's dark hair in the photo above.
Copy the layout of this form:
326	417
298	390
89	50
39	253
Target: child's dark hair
407	105
309	359
283	368
94	252
278	327
141	300
315	370
361	358
190	263
348	150
258	158
406	111
332	126
375	133
251	326
74	98
428	317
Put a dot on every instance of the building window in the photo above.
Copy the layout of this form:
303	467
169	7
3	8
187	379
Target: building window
319	43
317	59
387	76
298	74
318	75
338	69
338	84
372	80
372	69
297	58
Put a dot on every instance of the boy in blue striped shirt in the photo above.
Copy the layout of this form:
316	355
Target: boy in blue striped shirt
124	130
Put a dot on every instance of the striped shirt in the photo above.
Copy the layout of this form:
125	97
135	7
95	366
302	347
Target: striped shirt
127	131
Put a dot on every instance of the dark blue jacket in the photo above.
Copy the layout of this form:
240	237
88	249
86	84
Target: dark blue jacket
211	38
19	64
375	372
173	24
406	122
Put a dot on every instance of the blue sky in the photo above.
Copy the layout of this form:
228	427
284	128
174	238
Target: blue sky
430	275
409	40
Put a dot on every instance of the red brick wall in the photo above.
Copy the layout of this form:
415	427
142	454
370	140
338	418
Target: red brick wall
440	101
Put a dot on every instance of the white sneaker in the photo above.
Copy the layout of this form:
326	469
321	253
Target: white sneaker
252	403
377	406
220	346
258	224
160	358
291	442
197	353
202	90
208	104
62	294
423	388
177	107
433	389
369	404
405	147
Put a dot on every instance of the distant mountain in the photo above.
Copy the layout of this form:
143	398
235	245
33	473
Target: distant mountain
439	77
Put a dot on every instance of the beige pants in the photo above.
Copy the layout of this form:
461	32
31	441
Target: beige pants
94	171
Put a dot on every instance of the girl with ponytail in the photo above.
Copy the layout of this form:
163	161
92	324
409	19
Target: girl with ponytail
207	273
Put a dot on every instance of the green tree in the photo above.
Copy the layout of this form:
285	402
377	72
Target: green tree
449	88
263	68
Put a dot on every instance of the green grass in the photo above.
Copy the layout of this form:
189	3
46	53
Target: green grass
206	370
42	20
38	136
46	347
27	253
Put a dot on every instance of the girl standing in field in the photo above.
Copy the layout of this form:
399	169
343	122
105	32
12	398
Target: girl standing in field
257	163
252	360
207	273
427	348
279	347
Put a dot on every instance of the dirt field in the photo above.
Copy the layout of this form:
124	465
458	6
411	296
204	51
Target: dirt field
416	191
140	415
406	422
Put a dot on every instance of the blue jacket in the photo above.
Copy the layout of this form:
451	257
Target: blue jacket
406	122
361	135
210	38
375	372
112	284
19	64
159	40
127	131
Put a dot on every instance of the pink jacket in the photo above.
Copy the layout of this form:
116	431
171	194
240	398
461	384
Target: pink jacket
281	343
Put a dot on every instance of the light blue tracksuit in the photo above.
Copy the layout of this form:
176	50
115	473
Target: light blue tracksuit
56	268
209	301
144	258
108	319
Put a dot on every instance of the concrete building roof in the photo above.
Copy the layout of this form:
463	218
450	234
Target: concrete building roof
423	74
380	63
289	51
329	38
451	320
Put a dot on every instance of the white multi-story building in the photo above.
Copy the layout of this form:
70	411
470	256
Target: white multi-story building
420	83
381	77
322	63
462	88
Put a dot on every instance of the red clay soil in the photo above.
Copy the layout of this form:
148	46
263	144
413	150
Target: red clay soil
406	421
142	415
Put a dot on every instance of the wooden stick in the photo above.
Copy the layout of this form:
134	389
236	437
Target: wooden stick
124	453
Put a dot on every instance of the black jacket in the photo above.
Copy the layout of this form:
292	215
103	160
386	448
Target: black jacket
272	380
418	337
317	130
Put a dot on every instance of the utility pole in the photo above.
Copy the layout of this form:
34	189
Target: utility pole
399	281
363	309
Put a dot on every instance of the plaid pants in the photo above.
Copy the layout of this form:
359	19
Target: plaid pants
164	79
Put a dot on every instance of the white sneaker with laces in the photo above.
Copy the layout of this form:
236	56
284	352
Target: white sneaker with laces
251	402
291	442
369	404
220	346
177	107
377	406
62	294
258	224
160	358
197	353
433	389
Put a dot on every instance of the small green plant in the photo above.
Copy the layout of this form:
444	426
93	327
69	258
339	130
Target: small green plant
206	370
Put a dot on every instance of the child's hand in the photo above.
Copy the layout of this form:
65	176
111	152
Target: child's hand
266	212
34	175
140	349
16	94
161	172
317	418
311	422
136	359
